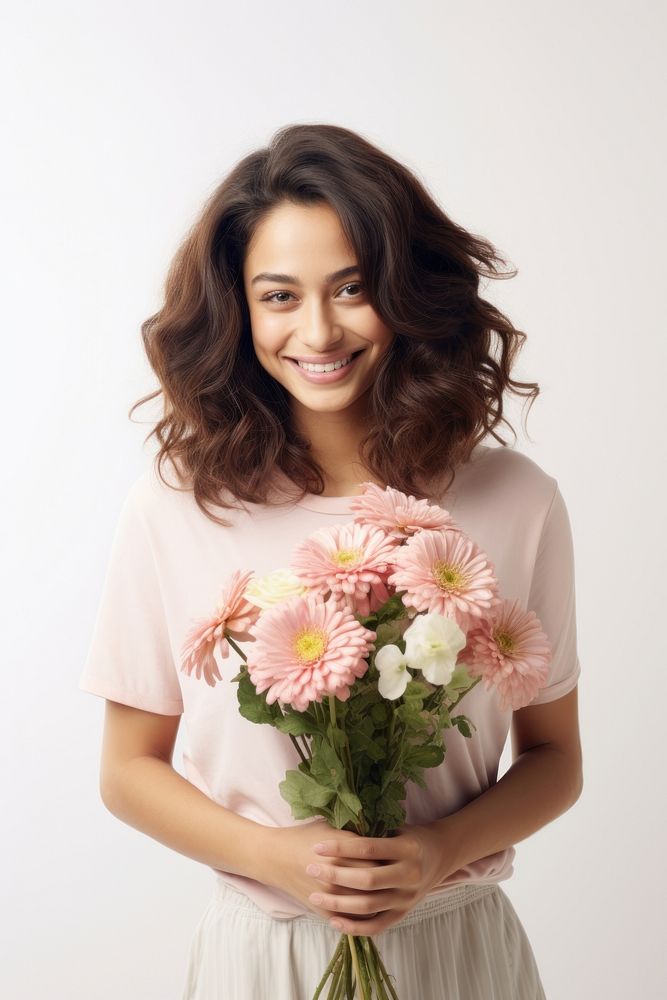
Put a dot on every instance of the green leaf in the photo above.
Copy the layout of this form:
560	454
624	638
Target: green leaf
369	794
416	775
326	766
413	772
253	706
416	691
347	808
411	716
342	708
426	756
460	679
298	724
360	703
389	808
337	737
464	724
444	717
363	744
387	634
392	608
303	793
380	714
352	801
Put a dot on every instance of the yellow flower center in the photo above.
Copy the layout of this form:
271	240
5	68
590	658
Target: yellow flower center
310	644
346	557
504	642
449	576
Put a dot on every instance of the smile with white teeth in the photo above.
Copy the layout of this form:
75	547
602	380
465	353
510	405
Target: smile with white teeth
324	368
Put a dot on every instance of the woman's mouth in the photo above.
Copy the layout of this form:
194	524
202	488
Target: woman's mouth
335	375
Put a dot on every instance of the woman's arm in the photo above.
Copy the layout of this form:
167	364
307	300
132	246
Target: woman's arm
545	780
139	786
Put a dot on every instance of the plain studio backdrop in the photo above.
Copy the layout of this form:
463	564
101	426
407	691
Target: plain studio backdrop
539	126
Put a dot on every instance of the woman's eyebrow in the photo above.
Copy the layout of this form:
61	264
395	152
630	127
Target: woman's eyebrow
289	279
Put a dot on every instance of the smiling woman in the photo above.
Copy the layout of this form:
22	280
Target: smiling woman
323	329
322	334
318	247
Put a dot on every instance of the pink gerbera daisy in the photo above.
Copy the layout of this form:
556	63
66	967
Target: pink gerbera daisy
306	648
445	572
234	615
349	560
511	652
399	515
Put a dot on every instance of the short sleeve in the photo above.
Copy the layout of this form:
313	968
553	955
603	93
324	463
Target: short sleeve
553	599
129	657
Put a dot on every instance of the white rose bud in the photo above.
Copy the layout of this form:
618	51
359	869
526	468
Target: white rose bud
274	588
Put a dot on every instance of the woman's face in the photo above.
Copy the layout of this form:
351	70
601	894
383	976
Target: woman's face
306	301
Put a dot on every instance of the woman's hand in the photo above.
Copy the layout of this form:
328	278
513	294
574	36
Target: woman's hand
395	874
289	851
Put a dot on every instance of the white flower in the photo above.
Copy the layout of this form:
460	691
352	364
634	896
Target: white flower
393	668
274	588
432	644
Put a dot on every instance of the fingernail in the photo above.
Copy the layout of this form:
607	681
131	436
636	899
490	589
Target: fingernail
313	869
319	847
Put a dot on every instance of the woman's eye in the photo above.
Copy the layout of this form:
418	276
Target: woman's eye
272	296
354	284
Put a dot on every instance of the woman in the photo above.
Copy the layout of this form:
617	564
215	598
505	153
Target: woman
322	249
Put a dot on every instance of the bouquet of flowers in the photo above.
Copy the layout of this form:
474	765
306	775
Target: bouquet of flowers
360	651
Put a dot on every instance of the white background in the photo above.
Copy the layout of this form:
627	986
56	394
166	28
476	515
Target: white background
536	125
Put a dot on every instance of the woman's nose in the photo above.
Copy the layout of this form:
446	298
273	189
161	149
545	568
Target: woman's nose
320	332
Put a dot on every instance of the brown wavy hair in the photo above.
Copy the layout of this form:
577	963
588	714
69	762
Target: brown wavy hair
226	422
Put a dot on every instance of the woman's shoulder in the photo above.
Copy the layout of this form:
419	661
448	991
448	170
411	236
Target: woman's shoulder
163	496
148	488
156	492
504	474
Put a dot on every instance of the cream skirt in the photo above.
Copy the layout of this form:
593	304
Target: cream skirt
466	943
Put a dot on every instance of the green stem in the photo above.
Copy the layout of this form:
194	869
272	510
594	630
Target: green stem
339	950
349	985
434	699
334	989
374	971
366	986
356	964
464	693
237	648
389	773
387	979
298	748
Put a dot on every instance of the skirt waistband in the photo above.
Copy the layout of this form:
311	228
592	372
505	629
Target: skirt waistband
451	898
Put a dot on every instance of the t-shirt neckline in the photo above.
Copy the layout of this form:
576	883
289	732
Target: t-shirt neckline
341	505
327	505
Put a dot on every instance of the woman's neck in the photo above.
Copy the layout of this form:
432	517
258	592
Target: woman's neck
334	444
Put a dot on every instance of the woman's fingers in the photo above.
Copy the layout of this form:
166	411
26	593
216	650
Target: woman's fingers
366	848
353	876
364	905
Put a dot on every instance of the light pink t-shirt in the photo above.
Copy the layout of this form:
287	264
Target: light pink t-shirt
166	565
